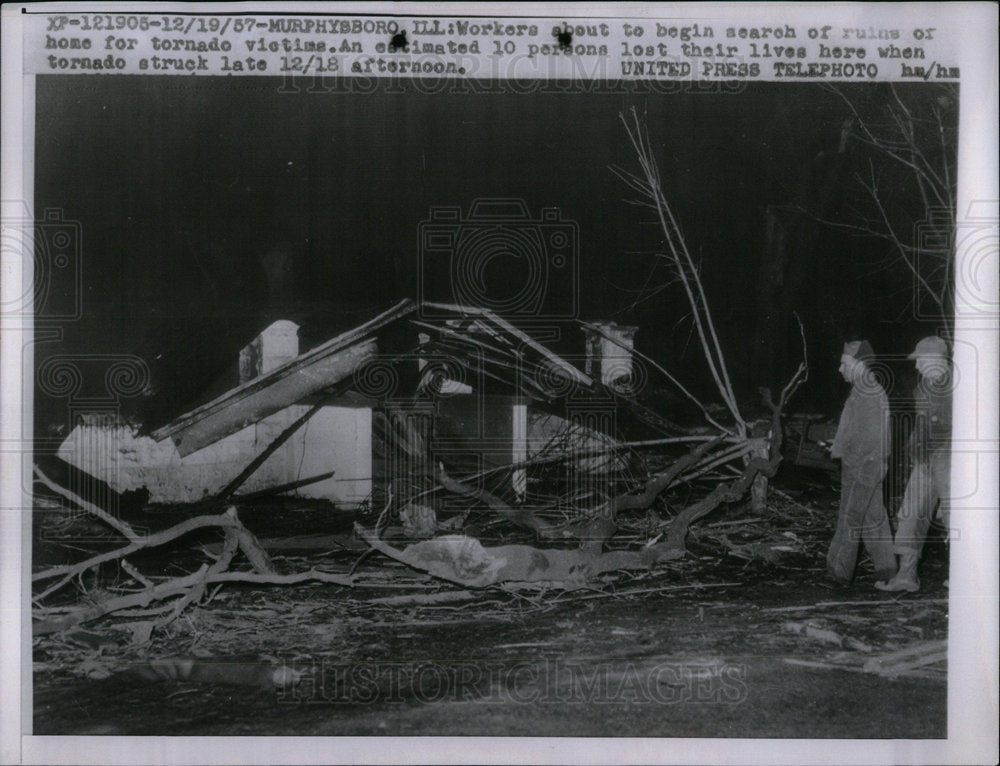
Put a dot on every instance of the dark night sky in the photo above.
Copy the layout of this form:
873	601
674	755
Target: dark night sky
181	184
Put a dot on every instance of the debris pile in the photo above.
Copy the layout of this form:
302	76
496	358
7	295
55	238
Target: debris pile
485	444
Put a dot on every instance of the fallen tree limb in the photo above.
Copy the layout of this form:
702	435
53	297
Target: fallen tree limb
237	536
674	547
567	455
721	458
520	517
594	531
89	507
659	482
195	593
180	585
251	547
224	520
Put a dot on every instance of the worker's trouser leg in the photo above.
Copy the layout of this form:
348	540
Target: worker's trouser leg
862	517
929	483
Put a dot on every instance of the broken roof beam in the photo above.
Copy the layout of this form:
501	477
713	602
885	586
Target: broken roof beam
299	378
460	336
571	372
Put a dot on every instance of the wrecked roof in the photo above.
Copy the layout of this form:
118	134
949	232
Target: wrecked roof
475	338
307	374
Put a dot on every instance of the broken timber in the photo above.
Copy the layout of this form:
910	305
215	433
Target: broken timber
301	377
904	660
559	364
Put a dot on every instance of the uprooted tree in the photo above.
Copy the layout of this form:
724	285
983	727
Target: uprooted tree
686	272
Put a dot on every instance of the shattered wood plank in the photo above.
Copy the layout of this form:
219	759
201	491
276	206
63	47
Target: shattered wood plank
303	376
821	665
900	668
252	403
269	450
652	418
909	658
461	337
561	364
874	602
281	488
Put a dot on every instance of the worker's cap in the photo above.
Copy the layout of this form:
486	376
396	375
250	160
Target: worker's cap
859	349
930	346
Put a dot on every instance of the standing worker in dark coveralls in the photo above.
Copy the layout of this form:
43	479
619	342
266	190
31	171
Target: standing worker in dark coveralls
929	448
862	444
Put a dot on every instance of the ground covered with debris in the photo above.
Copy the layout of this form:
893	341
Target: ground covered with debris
743	637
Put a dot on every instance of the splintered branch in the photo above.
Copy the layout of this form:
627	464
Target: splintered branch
190	588
197	591
658	483
520	517
674	546
227	520
180	586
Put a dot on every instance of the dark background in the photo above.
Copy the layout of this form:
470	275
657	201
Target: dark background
182	186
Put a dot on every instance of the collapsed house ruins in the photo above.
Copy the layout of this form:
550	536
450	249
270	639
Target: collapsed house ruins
482	393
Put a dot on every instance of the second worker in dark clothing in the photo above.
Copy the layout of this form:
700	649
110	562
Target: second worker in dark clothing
928	489
862	445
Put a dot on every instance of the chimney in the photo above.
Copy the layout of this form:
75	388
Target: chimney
609	350
277	345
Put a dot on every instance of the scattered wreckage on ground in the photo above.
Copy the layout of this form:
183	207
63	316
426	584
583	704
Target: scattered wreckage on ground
429	417
424	417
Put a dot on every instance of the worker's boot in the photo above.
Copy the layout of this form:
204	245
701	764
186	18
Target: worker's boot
906	577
